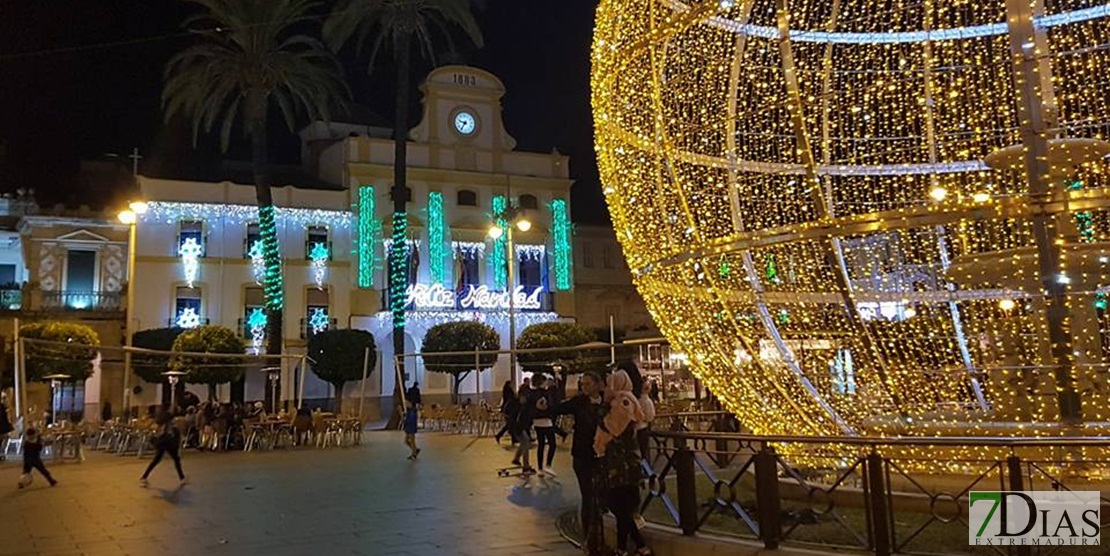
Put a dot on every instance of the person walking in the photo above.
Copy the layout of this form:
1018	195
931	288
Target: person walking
32	458
5	426
167	441
413	395
522	430
508	400
542	404
586	407
615	443
410	430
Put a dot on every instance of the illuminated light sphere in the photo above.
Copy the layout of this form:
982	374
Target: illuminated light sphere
774	172
1007	304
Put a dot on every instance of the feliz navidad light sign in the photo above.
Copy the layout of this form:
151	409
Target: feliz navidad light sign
435	296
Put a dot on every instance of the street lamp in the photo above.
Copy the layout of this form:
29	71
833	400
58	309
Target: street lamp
172	377
55	381
130	216
514	218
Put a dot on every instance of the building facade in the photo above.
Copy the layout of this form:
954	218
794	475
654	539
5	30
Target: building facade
198	258
603	286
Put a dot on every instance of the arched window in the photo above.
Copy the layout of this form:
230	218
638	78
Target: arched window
529	202
467	198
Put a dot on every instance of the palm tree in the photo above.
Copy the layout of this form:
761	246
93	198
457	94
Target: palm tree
397	25
248	58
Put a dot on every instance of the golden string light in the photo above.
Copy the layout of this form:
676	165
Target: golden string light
868	218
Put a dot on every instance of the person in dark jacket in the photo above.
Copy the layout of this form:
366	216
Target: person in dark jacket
522	430
508	399
543	402
32	456
413	395
587	409
168	440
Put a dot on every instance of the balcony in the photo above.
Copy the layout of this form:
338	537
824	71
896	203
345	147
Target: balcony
82	301
11	299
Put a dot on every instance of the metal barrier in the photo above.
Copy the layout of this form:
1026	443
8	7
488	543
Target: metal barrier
880	496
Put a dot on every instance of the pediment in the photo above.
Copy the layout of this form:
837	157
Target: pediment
83	236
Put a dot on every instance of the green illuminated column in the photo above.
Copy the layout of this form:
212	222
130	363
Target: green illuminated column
437	238
498	253
561	240
367	236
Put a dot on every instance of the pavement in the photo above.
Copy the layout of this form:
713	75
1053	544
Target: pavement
367	499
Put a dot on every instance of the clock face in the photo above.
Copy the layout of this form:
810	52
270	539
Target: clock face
465	123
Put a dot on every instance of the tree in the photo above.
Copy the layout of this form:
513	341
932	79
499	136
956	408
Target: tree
67	348
248	58
209	370
338	356
396	25
150	366
555	335
460	336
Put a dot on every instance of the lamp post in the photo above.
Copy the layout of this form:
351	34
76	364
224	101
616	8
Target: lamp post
514	218
131	218
172	377
55	381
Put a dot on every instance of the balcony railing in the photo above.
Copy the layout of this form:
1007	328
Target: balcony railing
11	299
83	301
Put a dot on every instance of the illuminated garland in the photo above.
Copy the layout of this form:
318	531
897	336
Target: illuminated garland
318	321
1084	222
561	240
271	254
497	259
319	255
240	215
469	249
493	318
530	252
398	271
437	238
190	252
368	230
258	263
256	324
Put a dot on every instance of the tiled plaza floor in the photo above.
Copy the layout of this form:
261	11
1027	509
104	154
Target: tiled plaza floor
362	500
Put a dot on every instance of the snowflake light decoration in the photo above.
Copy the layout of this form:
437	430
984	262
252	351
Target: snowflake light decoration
258	262
188	318
318	321
190	252
319	256
256	323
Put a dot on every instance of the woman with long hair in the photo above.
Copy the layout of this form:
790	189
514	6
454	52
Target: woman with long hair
508	400
615	443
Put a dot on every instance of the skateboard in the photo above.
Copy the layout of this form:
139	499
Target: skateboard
509	471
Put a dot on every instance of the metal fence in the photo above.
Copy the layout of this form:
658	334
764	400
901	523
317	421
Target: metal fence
879	496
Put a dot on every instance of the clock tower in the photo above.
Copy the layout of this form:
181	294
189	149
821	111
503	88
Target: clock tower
462	118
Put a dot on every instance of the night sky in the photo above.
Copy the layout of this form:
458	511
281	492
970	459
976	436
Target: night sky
81	78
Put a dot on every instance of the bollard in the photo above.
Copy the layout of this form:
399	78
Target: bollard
877	500
687	491
767	500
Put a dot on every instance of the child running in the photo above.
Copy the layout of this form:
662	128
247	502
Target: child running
32	458
410	430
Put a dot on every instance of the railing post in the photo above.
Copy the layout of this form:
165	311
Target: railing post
687	490
877	500
1013	467
767	500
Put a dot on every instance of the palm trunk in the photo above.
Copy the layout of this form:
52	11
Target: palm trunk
398	272
267	229
338	397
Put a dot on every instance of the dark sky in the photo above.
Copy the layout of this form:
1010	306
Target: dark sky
80	78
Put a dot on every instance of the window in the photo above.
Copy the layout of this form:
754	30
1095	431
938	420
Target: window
466	198
253	236
317	239
80	271
317	314
529	202
7	274
254	299
607	257
466	272
190	231
187	308
587	256
530	262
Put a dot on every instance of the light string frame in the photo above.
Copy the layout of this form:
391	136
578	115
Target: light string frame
735	228
256	326
190	252
318	256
